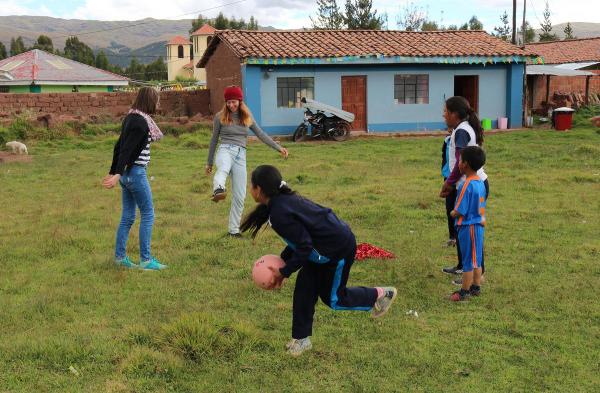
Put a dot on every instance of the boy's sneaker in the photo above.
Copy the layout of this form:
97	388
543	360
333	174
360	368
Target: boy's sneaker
126	262
218	195
382	305
234	235
457	282
475	290
152	264
452	270
459	296
451	243
298	347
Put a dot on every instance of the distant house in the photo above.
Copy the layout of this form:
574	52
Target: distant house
390	80
181	53
37	71
570	66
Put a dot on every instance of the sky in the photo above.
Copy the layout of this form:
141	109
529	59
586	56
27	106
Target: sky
291	14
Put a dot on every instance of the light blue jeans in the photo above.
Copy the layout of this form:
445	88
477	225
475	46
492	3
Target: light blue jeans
231	161
136	192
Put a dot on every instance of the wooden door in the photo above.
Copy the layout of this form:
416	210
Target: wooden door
354	100
468	86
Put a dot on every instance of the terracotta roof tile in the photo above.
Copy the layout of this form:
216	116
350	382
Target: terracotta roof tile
179	40
569	51
338	43
204	30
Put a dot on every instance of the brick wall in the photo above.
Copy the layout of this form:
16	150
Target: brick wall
223	69
172	103
562	84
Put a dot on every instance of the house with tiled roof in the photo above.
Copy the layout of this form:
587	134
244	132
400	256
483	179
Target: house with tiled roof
37	71
181	53
570	67
390	80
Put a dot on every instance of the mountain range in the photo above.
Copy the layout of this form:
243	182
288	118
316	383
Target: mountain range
144	39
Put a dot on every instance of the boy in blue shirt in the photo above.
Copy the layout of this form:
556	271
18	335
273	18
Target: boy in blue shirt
469	213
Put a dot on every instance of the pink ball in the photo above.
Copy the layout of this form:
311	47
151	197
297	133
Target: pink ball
261	274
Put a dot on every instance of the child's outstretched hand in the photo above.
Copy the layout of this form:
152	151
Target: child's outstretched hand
284	152
278	278
110	181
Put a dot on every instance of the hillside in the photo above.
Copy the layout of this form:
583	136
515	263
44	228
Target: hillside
580	30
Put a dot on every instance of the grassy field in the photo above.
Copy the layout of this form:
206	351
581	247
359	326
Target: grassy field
73	322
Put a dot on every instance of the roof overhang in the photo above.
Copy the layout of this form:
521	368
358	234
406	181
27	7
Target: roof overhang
577	66
555	71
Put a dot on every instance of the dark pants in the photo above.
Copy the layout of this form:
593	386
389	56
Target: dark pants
327	281
459	265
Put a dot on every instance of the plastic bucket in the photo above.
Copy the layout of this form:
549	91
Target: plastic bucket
486	124
563	118
503	123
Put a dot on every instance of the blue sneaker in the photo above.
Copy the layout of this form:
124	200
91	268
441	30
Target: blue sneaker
126	262
152	264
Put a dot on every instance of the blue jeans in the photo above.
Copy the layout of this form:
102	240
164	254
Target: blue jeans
136	192
231	161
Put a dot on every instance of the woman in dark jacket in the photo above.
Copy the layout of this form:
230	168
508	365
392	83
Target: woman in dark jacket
131	157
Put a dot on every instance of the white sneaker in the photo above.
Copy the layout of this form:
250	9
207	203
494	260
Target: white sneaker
297	347
382	305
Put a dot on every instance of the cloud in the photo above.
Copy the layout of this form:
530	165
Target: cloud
13	7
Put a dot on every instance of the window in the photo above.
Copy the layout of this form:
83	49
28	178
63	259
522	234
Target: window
291	90
180	51
75	89
3	89
411	89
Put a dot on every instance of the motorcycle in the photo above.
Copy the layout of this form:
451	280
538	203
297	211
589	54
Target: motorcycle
317	122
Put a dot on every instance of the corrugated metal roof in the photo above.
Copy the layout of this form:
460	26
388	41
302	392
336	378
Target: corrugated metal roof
39	67
555	71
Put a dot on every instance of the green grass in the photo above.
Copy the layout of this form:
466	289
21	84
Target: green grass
203	326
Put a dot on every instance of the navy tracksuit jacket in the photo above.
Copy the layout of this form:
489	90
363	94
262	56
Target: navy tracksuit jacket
322	248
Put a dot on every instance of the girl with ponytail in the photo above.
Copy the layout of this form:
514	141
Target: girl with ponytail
320	247
466	131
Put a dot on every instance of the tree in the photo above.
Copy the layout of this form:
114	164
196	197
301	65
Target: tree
529	34
411	17
328	16
546	34
221	22
101	61
452	27
569	32
503	31
430	25
17	46
361	16
78	51
253	24
475	24
156	70
2	51
136	70
44	43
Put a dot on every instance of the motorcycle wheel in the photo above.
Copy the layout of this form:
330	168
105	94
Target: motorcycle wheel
341	132
300	134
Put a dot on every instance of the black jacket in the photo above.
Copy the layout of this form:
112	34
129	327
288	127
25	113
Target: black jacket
313	232
133	139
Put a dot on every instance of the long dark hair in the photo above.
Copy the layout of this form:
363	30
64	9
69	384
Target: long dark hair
461	107
146	100
269	179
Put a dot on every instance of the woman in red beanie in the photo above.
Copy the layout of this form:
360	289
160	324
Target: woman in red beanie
231	126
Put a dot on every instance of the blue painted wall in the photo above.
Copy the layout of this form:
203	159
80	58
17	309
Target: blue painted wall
496	84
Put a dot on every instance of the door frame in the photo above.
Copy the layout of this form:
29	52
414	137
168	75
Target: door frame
364	76
476	77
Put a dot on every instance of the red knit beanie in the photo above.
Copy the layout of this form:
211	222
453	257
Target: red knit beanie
233	93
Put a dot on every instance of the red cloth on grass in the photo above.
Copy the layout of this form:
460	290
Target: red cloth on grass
366	250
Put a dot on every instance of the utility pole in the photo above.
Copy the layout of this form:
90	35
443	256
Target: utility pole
524	22
514	24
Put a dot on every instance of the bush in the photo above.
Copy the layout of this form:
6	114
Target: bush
583	115
21	128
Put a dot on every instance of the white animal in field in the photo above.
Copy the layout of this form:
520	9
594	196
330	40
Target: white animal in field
17	147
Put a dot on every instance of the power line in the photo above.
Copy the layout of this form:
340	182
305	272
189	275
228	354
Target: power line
144	23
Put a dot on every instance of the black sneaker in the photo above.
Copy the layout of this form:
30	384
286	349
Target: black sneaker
459	296
475	290
218	195
452	270
236	235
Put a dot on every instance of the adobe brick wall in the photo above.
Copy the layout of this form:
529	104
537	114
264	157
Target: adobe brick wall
172	103
223	69
562	84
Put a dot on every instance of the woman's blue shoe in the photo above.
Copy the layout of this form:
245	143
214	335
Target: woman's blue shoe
126	262
152	264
